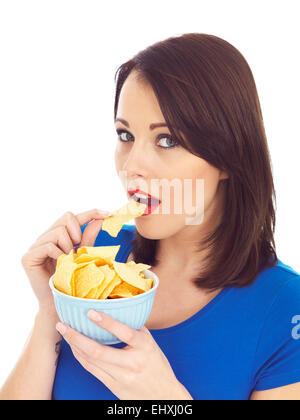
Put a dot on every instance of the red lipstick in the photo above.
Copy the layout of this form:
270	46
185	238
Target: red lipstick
143	197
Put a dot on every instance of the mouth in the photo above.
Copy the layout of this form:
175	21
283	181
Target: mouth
142	197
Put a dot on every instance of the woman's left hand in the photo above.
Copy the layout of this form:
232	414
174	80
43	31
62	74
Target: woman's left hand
138	371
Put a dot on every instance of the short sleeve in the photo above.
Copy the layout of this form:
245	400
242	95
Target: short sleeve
277	358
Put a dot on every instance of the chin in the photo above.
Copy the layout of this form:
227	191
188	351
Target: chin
153	228
148	228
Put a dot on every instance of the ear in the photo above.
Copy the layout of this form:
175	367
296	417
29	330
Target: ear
223	175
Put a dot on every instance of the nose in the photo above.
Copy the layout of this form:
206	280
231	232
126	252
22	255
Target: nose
136	163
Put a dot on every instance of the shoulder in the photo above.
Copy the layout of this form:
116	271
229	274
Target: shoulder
278	275
268	307
277	358
284	283
281	277
281	287
275	285
285	303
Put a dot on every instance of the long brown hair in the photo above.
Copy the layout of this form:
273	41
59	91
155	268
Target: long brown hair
207	92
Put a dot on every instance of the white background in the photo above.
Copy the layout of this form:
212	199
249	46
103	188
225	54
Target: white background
58	60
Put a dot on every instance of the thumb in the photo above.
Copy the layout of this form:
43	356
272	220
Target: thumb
91	232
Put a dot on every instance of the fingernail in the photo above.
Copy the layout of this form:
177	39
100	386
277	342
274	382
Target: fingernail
105	213
94	315
61	328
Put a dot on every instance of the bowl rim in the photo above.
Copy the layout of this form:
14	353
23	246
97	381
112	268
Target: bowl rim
109	301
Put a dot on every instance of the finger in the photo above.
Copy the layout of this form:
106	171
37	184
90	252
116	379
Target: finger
114	371
108	380
70	221
39	254
73	227
59	237
126	334
67	231
87	216
82	218
93	351
91	232
93	228
145	330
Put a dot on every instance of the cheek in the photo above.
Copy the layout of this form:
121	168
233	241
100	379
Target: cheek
119	160
199	190
209	188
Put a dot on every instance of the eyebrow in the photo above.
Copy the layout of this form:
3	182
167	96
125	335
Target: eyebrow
151	126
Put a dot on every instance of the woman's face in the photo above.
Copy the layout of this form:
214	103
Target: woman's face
146	159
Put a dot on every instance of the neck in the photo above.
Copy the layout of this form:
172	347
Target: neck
181	250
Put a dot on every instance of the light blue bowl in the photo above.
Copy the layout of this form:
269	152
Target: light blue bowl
133	311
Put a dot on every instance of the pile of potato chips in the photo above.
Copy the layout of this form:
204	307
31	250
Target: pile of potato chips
93	273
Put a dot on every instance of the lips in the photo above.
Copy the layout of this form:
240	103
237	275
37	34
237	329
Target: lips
151	201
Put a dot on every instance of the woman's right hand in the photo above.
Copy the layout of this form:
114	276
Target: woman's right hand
40	260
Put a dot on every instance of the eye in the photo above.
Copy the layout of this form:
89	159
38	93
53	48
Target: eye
169	142
123	139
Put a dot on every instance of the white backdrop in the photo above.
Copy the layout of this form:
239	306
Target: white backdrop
58	60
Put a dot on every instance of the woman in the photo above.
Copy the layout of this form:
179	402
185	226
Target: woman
224	321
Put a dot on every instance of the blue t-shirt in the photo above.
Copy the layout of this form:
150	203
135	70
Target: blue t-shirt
245	339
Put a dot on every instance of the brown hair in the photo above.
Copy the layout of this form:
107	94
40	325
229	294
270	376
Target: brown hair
206	89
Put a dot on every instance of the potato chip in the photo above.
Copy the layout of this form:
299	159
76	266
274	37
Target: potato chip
109	288
130	275
124	290
92	293
105	252
62	258
62	279
138	267
109	275
113	224
131	263
63	267
149	283
86	278
85	258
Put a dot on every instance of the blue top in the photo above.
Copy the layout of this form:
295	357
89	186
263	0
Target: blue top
245	339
